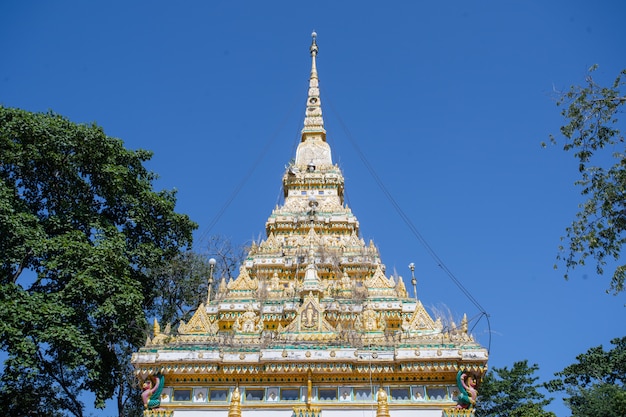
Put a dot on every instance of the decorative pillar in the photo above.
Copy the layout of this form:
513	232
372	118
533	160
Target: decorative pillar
413	280
309	391
212	263
383	408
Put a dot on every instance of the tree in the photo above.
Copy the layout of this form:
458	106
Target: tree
182	284
591	133
511	393
596	385
80	229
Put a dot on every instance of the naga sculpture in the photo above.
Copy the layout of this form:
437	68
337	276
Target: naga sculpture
151	391
467	389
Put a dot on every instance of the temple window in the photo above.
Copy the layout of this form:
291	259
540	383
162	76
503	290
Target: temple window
418	393
272	394
289	394
218	394
345	394
200	395
399	394
437	393
327	394
454	392
182	395
364	394
166	395
254	394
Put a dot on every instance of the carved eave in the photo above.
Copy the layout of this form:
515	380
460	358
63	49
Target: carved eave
335	361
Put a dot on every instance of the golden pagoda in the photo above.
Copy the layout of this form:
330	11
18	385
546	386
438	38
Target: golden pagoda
312	326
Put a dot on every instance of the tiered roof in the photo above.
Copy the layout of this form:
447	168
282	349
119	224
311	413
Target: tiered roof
312	301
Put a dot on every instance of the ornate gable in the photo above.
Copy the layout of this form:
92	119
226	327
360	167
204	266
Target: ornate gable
421	322
312	238
355	241
200	323
379	286
243	286
270	244
309	323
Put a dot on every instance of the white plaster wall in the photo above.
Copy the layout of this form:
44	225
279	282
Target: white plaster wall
326	412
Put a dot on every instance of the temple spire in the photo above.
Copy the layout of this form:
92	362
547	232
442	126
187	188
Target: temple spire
313	121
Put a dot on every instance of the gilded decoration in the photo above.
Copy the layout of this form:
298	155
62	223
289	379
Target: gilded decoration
382	410
460	332
243	285
309	323
306	412
369	321
200	323
275	289
401	289
158	413
311	309
420	321
457	412
235	404
378	285
249	323
159	337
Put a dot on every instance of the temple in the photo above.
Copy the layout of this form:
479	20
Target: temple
313	326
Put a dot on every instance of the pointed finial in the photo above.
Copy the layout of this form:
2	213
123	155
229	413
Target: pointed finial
313	121
314	47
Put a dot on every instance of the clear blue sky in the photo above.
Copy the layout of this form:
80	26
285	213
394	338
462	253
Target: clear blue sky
448	101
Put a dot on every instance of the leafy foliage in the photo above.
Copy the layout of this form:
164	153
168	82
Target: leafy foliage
592	134
511	393
80	227
182	284
596	385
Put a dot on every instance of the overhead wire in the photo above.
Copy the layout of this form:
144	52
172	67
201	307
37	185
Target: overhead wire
407	220
246	177
297	138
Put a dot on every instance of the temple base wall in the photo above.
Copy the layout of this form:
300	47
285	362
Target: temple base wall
326	412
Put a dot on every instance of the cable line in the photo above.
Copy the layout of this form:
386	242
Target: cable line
246	177
409	223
